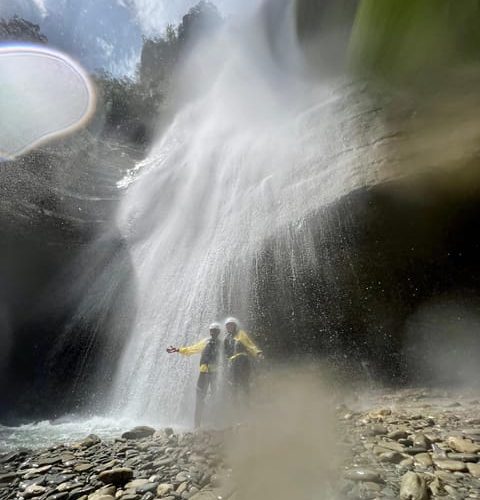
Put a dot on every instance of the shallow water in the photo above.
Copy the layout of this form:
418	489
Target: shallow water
48	433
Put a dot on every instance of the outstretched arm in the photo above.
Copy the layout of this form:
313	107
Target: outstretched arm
249	344
193	349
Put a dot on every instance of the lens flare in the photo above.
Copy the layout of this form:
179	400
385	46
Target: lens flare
43	94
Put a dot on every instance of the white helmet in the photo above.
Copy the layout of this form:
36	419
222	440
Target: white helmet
231	320
215	326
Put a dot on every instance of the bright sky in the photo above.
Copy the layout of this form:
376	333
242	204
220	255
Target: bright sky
107	33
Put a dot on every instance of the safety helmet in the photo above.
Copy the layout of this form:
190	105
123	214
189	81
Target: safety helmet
215	326
231	320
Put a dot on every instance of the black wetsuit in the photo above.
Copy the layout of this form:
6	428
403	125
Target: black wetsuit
207	376
239	365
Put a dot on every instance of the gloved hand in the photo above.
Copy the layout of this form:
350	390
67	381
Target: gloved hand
172	349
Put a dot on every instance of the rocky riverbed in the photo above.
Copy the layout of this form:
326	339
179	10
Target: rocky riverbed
410	444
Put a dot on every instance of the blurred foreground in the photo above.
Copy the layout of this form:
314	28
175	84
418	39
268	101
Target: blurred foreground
302	437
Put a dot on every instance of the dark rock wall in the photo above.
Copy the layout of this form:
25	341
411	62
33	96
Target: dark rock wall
380	253
55	203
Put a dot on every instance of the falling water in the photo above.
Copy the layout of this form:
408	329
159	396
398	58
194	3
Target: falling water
258	147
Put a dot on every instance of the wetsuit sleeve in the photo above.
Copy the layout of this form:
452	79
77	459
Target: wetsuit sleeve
193	349
252	349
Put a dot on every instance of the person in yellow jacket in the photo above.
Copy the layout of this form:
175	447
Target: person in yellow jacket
239	349
209	349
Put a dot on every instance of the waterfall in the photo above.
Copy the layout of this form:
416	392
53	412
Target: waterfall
258	147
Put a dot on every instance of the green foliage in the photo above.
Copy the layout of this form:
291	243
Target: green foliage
399	39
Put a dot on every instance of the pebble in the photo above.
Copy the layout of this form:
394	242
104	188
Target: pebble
136	483
413	487
392	457
164	489
451	465
474	469
83	467
424	459
33	490
147	487
397	434
58	496
363	475
462	445
117	476
464	457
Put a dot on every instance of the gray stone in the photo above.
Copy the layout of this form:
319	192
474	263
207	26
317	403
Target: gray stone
413	487
451	465
102	492
136	483
78	493
10	457
83	467
58	478
29	482
89	441
164	461
474	469
391	457
453	493
118	476
397	434
164	489
181	477
361	474
139	432
69	485
49	460
35	472
464	457
424	459
436	487
376	430
421	441
392	445
415	450
34	490
147	487
181	488
462	445
8	477
407	463
58	496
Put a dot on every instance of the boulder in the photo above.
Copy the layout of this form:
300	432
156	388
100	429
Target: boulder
139	432
118	476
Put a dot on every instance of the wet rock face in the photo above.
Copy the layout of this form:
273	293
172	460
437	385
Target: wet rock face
374	260
55	201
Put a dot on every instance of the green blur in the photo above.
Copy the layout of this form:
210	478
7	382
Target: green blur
414	39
